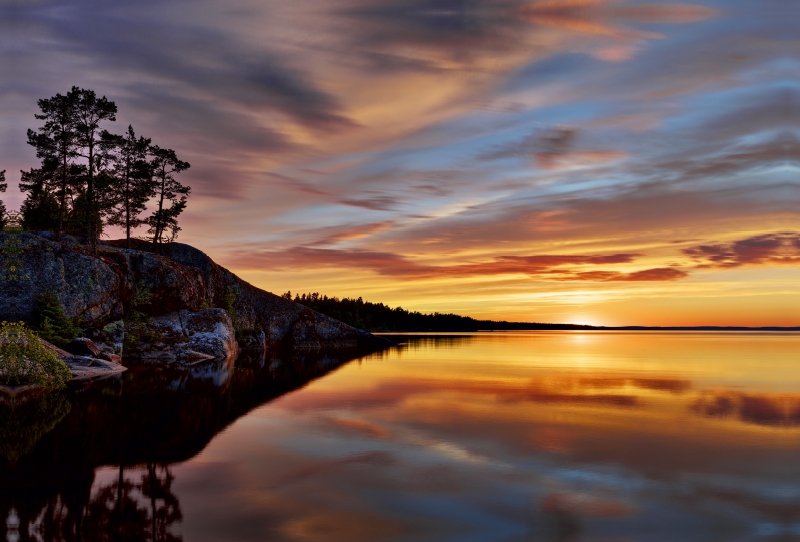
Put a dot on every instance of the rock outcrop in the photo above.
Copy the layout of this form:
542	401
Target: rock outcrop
184	336
86	367
97	291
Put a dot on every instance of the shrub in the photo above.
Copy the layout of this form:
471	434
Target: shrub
230	305
50	321
141	299
136	329
24	359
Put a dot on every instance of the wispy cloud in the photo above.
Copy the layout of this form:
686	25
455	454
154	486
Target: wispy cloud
775	248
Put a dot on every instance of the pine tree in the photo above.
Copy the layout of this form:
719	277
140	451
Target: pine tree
89	112
57	146
50	321
133	183
40	210
164	220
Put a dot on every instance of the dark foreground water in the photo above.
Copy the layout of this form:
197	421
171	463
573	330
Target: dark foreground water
484	437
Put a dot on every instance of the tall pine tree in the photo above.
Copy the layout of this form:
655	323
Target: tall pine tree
89	112
171	196
56	145
133	183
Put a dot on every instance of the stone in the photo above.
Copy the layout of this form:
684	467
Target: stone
253	340
184	336
113	358
115	332
86	368
82	347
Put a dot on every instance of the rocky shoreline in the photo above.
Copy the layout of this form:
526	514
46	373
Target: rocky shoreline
178	307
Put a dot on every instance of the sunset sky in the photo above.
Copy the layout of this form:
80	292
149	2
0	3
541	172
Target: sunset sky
607	162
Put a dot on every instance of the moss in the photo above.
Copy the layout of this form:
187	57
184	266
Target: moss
25	360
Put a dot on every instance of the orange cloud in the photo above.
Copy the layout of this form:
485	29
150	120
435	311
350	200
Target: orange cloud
384	263
603	18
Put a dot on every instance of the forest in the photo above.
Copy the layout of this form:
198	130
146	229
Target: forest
379	317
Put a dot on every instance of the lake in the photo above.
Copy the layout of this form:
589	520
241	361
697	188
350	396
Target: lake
562	436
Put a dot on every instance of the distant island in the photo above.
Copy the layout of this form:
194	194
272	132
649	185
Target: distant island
377	317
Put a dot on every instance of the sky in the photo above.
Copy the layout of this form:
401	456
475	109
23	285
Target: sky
608	162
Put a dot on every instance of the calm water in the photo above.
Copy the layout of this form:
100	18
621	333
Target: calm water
482	437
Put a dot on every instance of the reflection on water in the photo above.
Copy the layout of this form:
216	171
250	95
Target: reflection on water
151	417
496	436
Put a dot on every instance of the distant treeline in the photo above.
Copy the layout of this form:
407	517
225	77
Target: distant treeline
379	317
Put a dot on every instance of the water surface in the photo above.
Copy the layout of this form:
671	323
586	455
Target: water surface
477	437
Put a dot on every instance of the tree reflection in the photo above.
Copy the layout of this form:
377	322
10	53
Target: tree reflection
127	510
141	423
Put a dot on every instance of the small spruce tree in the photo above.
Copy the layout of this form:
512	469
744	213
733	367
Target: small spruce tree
50	321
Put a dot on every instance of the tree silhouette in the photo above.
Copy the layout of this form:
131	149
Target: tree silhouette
133	182
56	144
89	112
89	177
168	191
41	209
3	186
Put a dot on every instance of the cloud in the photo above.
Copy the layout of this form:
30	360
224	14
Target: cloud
553	148
604	18
646	275
354	233
775	248
542	267
569	507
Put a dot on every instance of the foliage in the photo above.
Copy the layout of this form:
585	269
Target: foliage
134	184
89	178
11	250
57	147
88	112
24	359
135	324
3	186
230	305
141	298
51	322
379	317
40	210
164	220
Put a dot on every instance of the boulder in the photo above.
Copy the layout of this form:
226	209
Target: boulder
252	340
85	368
88	287
82	347
184	336
113	358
